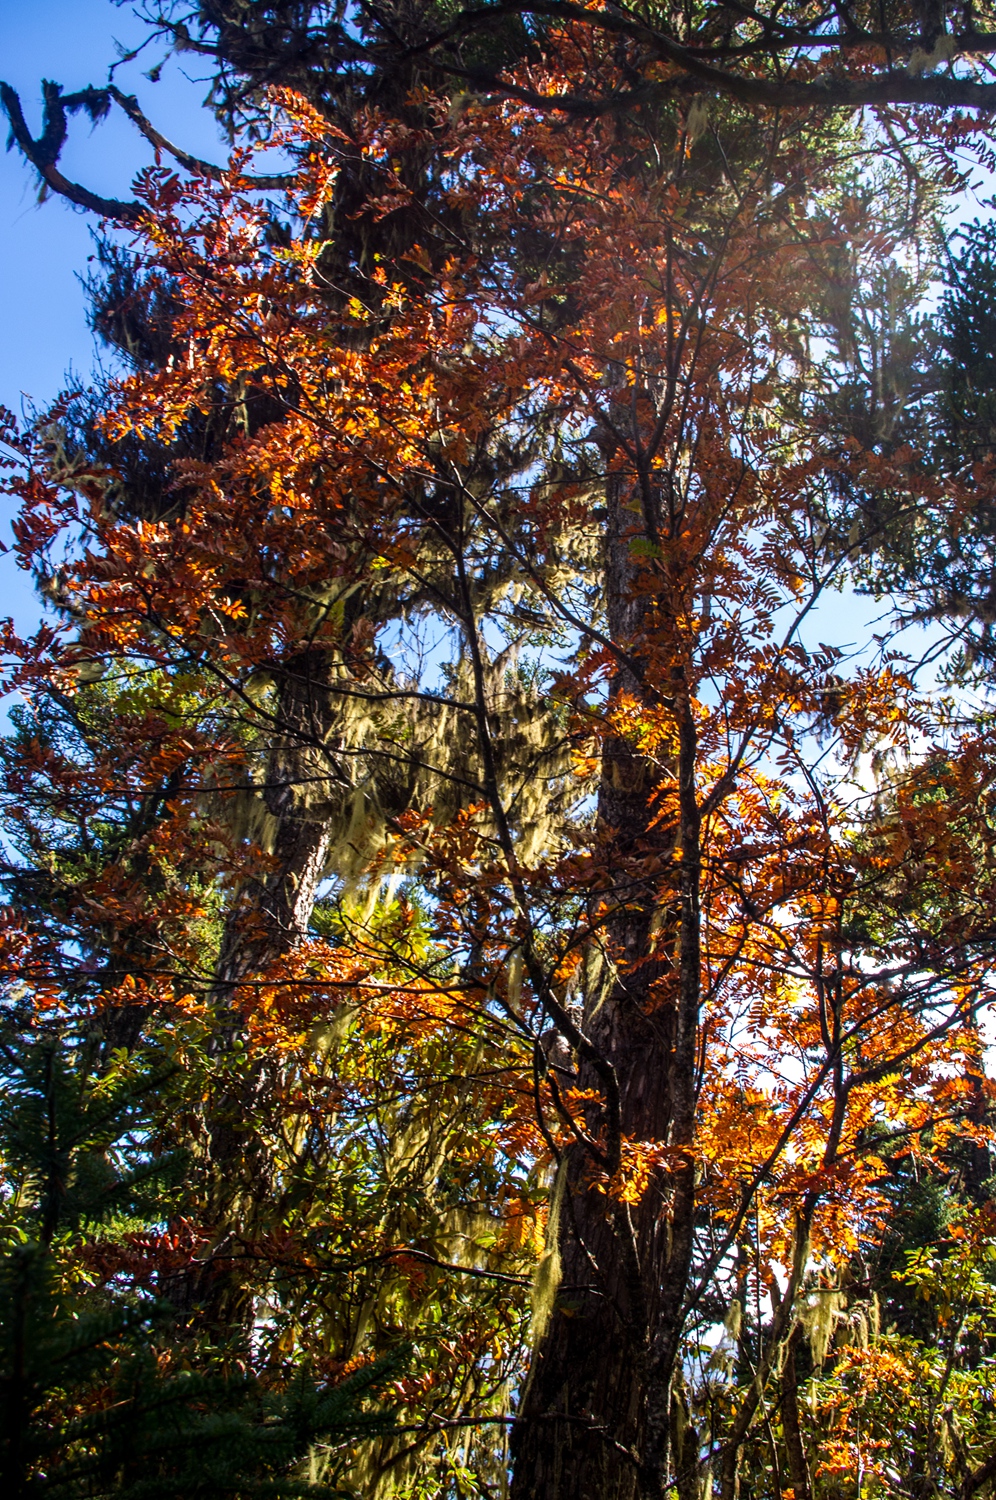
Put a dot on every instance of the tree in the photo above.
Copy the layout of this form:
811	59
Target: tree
627	887
116	870
338	54
99	1393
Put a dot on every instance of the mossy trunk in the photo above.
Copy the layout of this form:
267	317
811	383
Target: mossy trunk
596	1415
236	1184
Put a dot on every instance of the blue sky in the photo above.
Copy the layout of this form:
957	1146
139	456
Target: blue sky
44	247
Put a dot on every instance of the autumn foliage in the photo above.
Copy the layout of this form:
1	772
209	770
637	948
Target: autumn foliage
526	968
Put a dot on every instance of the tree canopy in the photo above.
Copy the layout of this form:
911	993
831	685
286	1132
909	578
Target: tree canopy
493	1004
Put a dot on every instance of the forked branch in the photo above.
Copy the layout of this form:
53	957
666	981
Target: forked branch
43	151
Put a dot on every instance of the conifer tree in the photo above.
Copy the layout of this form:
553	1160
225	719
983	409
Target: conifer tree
104	1391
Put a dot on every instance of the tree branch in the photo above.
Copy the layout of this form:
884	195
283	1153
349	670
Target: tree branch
195	164
43	153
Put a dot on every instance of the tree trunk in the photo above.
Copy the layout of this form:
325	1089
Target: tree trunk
795	1448
268	920
684	1443
595	1417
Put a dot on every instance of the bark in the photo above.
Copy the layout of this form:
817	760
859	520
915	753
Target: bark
982	1476
587	1424
684	1444
782	1328
795	1449
978	1161
730	1475
268	920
